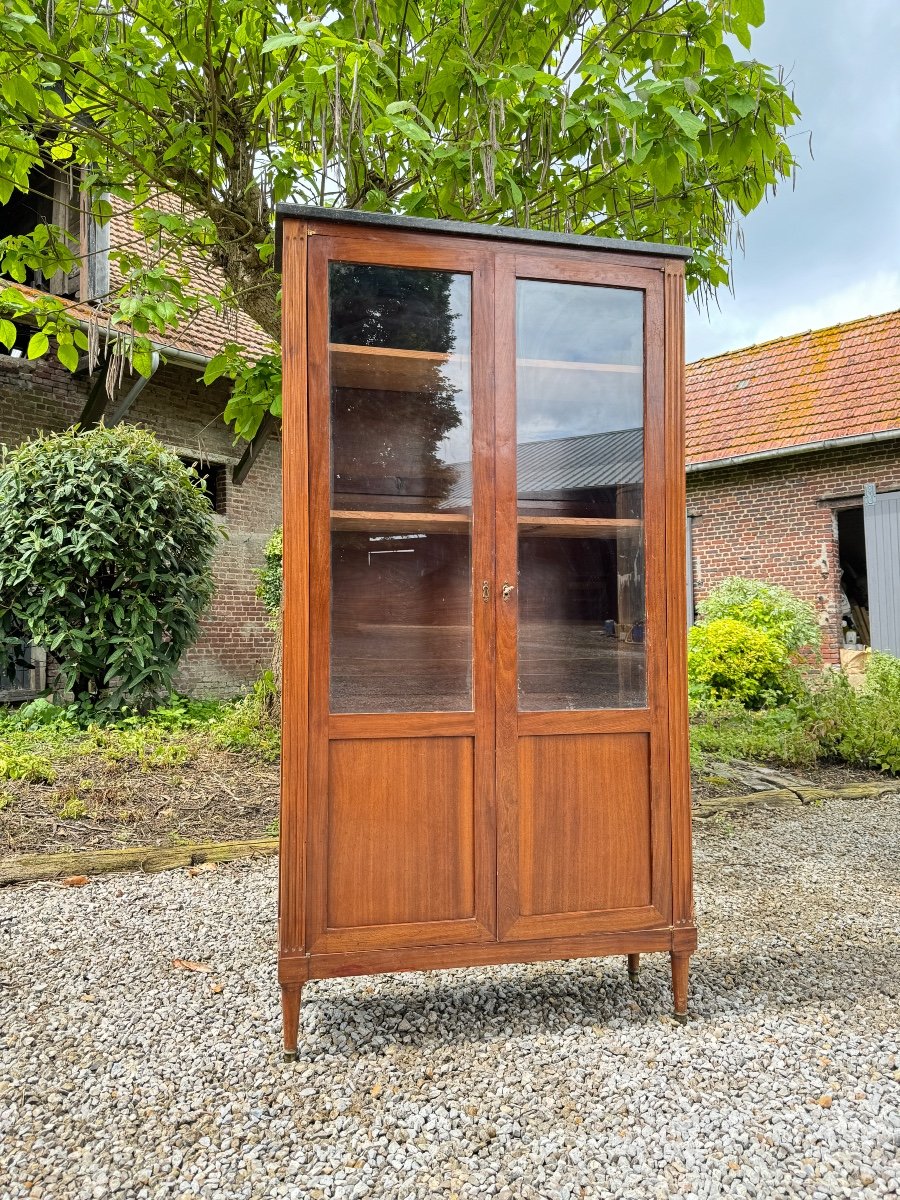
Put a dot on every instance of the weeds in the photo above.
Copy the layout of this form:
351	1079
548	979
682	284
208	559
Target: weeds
39	733
73	808
827	720
23	764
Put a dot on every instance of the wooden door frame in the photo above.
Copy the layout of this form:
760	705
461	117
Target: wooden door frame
438	253
514	264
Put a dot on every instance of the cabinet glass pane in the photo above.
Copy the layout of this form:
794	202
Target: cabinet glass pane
401	450
579	417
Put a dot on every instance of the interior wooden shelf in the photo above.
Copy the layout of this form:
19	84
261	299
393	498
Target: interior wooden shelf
364	521
574	527
355	521
396	370
559	364
383	367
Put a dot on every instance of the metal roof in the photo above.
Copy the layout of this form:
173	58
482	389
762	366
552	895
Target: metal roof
593	460
577	241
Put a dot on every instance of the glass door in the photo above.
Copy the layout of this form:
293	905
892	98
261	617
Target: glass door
401	551
580	696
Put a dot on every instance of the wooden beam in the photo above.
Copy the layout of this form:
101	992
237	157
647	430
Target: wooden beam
30	867
95	405
124	405
253	451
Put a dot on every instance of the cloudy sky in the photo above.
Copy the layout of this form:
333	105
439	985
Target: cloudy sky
829	250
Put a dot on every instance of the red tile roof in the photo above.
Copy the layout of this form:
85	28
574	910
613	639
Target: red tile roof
828	383
207	332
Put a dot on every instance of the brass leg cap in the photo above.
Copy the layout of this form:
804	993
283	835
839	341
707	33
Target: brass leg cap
681	1018
289	1056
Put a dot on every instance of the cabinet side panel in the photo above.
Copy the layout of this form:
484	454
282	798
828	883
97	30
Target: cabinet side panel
401	840
584	823
676	521
295	660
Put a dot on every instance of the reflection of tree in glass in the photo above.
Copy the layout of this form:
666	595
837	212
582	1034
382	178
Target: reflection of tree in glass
385	441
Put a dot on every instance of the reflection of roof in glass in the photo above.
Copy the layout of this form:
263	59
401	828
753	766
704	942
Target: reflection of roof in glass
594	460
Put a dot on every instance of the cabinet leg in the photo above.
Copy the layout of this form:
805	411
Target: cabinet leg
680	964
634	966
290	1018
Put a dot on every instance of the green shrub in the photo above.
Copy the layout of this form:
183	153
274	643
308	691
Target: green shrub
269	588
106	545
766	607
729	660
828	720
863	728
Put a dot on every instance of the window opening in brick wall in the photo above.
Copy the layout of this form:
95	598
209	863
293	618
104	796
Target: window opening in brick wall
211	478
30	679
54	198
20	346
853	577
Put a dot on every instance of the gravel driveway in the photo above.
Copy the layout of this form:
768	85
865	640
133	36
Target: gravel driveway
122	1075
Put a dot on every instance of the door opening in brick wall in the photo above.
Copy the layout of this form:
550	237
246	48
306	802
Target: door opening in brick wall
854	580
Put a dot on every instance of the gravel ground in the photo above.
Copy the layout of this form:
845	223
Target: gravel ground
121	1075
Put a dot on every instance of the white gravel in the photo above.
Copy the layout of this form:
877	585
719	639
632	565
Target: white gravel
120	1075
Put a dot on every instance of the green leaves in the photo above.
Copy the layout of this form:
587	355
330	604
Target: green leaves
633	119
106	544
67	355
38	344
7	334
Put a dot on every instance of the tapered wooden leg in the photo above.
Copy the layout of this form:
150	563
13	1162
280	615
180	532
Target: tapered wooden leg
290	1018
680	964
634	966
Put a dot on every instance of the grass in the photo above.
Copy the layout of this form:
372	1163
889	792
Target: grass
38	735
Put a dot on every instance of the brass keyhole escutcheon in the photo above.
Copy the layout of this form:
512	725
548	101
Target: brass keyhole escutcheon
485	591
507	590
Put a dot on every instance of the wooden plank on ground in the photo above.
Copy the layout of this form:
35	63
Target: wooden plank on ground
29	868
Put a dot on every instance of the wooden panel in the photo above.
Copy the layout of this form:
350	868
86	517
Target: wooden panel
370	245
583	269
584	823
295	670
676	642
507	570
487	953
659	486
400	832
347	726
606	720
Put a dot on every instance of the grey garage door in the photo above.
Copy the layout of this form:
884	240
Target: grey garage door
882	519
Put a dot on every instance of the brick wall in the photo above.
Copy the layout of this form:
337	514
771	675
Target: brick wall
235	644
772	520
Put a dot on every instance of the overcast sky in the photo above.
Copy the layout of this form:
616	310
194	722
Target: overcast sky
829	250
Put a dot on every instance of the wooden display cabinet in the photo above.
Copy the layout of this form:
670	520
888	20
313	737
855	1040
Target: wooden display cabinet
485	716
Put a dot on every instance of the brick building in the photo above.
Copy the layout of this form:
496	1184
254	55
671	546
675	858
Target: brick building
793	473
40	395
793	453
